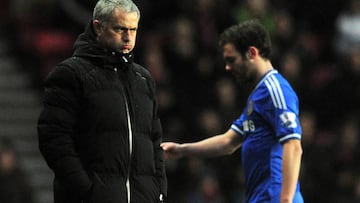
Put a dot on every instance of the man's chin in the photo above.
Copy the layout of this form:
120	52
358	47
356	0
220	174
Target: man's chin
125	51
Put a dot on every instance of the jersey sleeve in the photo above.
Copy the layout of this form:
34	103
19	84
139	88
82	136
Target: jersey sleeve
237	126
282	110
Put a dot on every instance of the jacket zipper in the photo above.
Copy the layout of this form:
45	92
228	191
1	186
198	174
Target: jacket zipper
130	149
130	143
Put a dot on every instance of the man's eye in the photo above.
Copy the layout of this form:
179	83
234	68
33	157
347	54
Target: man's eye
124	29
132	30
120	29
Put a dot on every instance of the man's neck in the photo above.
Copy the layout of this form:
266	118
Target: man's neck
264	66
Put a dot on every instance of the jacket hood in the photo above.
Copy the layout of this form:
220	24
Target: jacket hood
87	46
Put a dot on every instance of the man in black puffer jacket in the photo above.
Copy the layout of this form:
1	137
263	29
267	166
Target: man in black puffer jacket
99	131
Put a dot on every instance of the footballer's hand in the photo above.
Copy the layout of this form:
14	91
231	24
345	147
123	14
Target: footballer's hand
171	150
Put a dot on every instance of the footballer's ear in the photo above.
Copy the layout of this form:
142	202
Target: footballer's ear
252	52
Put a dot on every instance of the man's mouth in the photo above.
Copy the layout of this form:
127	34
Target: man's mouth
127	47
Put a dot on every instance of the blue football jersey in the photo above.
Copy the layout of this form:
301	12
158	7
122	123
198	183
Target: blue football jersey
270	118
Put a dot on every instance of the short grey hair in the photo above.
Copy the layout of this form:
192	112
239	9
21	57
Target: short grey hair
104	9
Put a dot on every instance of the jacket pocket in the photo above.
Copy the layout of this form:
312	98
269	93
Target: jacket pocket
97	193
107	188
62	194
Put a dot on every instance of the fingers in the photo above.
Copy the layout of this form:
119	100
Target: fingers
166	145
163	145
170	150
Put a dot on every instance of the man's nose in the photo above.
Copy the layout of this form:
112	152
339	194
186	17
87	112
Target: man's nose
126	35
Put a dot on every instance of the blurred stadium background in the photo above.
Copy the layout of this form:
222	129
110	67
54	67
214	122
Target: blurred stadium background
316	46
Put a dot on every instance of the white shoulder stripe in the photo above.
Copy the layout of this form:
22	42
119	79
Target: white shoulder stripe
276	92
281	94
271	93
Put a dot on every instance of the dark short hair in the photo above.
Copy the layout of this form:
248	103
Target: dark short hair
246	34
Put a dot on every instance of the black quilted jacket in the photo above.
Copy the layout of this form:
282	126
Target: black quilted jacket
99	130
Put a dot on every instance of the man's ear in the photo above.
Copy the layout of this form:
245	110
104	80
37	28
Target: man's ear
97	27
252	53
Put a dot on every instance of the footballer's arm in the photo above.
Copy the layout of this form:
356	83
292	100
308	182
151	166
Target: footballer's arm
292	152
218	145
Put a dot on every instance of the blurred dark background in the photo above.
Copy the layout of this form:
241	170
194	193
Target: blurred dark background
316	47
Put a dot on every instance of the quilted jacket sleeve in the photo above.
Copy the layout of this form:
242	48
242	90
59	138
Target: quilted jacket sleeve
159	158
56	129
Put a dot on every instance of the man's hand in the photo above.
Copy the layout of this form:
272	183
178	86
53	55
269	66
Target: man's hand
171	150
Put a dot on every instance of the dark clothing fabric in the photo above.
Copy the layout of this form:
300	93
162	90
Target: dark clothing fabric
99	128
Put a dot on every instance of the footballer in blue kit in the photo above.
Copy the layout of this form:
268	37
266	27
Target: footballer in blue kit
268	131
269	119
